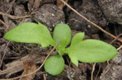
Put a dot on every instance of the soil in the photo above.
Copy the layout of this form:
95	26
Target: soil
14	55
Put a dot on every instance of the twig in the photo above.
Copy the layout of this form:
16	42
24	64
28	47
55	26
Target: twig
14	17
98	71
11	5
92	72
4	53
4	24
116	38
95	25
119	48
60	4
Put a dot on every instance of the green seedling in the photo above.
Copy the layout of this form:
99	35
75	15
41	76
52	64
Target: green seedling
78	49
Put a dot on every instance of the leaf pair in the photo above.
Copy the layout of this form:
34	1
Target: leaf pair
38	33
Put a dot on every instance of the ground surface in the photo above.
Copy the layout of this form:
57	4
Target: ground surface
14	55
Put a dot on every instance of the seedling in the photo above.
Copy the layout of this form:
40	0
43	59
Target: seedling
78	49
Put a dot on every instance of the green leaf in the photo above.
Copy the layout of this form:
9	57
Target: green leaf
77	38
54	65
91	51
30	33
62	36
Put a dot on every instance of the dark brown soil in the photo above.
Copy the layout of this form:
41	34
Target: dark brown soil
48	13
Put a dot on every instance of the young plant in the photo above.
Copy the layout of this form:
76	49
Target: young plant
88	51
